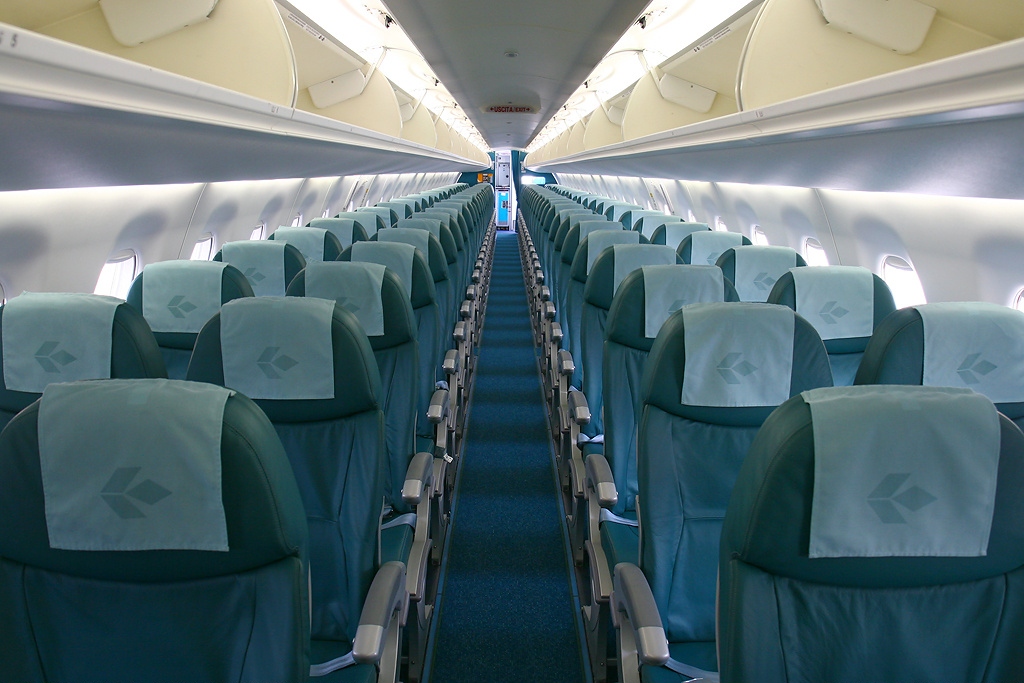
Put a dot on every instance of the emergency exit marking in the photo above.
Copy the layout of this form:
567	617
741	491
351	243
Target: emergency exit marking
510	109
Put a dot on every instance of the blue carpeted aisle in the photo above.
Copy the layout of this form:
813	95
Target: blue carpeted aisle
506	609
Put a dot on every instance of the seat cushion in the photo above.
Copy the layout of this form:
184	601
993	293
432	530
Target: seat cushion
621	543
395	543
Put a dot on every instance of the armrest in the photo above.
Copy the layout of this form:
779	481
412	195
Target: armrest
549	310
437	411
386	595
476	275
566	365
600	480
579	409
459	332
539	276
545	293
451	362
632	596
419	478
466	310
471	293
556	334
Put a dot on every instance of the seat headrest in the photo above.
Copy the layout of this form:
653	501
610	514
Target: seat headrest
268	265
733	363
316	244
754	269
567	220
400	209
386	215
263	512
673	233
178	297
364	219
438	228
374	293
974	345
596	242
404	261
705	247
50	337
613	265
844	303
347	230
426	243
769	520
304	360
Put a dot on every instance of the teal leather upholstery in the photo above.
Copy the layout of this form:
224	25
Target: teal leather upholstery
176	347
397	356
765	282
597	299
688	457
365	220
336	449
134	354
895	355
425	313
159	615
685	246
332	246
626	349
785	617
346	229
293	263
847	352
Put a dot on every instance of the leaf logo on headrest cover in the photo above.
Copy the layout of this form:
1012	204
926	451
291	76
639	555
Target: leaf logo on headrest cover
253	275
270	362
972	367
51	359
348	304
832	310
179	306
116	493
732	368
884	496
764	281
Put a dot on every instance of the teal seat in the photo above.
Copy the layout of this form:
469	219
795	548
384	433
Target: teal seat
166	614
972	345
401	209
714	374
610	269
268	265
845	304
316	244
369	222
449	221
754	269
348	230
945	613
122	346
310	367
709	246
438	228
672	233
387	216
572	233
180	297
421	294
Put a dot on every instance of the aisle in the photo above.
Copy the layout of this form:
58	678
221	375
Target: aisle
507	610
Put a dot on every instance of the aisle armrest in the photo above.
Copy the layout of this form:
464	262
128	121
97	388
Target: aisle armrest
386	599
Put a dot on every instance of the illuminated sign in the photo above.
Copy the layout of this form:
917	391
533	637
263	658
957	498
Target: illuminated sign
510	109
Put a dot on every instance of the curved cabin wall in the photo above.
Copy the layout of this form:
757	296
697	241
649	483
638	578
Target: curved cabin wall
792	50
242	46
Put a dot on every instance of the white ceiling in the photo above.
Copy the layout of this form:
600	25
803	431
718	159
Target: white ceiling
557	44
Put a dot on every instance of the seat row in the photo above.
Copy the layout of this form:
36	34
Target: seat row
685	373
319	389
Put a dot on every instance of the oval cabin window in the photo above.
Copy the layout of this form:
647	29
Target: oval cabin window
1018	301
203	250
814	253
258	232
758	237
903	281
117	274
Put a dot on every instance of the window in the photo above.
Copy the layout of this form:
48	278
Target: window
326	213
720	225
1018	301
117	275
351	204
297	221
691	216
258	232
758	236
814	253
903	281
203	251
528	179
3	297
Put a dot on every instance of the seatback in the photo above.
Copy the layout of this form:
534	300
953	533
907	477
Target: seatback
388	216
634	218
930	485
177	298
51	337
673	233
643	302
581	228
308	365
316	244
401	209
377	297
449	221
844	303
431	249
368	221
754	269
705	248
714	374
191	565
975	345
347	230
609	270
410	266
268	265
579	270
650	221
